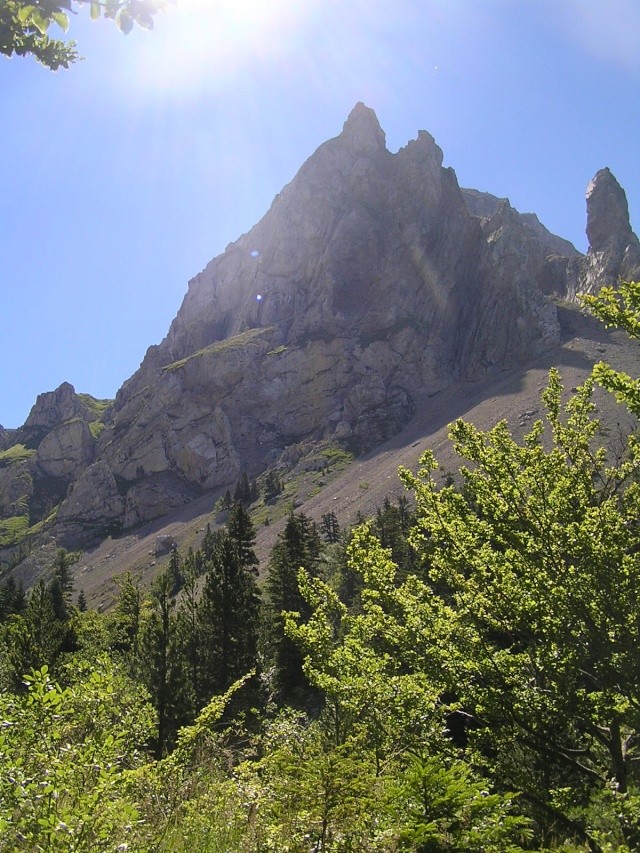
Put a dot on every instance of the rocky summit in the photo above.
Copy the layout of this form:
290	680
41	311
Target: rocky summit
372	283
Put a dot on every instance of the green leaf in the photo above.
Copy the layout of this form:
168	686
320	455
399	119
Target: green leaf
25	13
95	11
61	20
125	23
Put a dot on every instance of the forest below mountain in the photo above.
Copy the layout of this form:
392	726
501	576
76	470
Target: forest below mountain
460	672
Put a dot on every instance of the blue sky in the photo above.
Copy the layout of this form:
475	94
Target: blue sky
123	176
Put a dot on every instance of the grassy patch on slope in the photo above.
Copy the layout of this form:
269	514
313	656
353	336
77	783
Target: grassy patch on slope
237	341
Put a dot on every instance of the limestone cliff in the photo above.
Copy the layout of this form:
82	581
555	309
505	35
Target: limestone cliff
372	283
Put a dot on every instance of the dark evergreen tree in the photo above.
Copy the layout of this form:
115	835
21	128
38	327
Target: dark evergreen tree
242	533
329	527
242	491
36	638
12	598
61	587
82	601
175	571
160	663
229	607
298	546
392	525
272	487
125	626
190	633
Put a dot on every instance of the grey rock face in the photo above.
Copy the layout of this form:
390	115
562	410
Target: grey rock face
52	409
372	282
485	205
614	250
66	450
93	509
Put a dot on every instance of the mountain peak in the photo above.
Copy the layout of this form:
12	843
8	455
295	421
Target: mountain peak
363	130
607	211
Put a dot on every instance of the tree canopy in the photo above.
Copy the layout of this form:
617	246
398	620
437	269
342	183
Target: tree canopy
25	25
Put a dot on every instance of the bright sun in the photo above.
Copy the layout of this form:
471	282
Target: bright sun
208	39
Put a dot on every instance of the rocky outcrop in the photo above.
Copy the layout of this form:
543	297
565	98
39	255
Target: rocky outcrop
614	250
66	450
42	459
94	508
484	205
371	284
368	284
50	410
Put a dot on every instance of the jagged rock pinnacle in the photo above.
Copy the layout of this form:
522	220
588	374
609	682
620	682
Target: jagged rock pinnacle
363	130
607	212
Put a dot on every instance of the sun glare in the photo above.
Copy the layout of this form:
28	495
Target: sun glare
202	42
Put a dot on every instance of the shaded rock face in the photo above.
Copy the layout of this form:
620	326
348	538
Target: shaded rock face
93	509
41	459
372	283
614	250
52	409
66	450
366	286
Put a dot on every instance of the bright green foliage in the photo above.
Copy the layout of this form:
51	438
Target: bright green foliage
539	559
619	308
64	754
13	529
24	25
314	794
188	800
16	453
439	806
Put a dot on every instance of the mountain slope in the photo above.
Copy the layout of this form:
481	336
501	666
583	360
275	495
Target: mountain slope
372	287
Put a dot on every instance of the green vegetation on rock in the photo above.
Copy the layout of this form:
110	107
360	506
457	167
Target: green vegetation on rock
236	342
16	453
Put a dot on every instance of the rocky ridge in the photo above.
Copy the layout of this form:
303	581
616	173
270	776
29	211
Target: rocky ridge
373	283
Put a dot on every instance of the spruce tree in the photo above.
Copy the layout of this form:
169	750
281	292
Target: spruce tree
12	598
160	662
298	546
61	587
229	607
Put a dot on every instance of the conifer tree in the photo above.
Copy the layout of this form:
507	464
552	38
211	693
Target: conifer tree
175	571
160	662
298	546
61	587
125	626
12	598
329	527
229	607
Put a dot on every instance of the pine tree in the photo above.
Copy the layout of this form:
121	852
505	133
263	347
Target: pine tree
298	546
125	628
329	527
229	607
160	662
242	533
61	587
175	571
12	598
242	491
190	634
37	637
